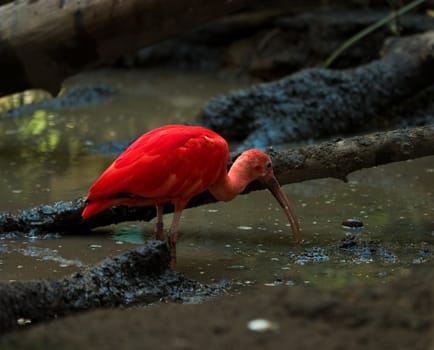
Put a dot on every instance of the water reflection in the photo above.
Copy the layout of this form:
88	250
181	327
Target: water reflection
24	98
50	155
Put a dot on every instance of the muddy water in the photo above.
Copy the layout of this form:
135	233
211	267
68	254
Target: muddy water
48	156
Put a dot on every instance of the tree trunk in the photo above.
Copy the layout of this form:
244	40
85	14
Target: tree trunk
43	42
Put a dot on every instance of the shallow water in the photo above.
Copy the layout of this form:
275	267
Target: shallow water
50	155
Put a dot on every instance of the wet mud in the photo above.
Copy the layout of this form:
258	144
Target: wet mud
398	315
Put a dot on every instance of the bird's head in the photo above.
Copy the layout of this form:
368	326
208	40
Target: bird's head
258	166
256	163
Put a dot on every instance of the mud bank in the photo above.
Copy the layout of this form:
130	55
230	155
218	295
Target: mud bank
396	316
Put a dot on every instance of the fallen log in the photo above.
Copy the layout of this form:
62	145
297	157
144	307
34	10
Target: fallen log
315	103
140	275
336	159
43	42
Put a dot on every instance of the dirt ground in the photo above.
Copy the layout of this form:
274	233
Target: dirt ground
398	315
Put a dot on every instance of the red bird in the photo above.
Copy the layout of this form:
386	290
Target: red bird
174	163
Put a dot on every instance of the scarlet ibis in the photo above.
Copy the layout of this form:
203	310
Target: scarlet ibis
174	163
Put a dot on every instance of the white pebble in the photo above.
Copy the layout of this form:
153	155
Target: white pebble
262	325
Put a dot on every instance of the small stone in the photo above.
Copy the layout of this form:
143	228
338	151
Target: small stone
23	321
262	325
352	223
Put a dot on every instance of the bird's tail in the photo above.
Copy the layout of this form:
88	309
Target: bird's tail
93	208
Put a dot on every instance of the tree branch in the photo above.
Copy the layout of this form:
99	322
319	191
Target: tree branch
341	157
328	159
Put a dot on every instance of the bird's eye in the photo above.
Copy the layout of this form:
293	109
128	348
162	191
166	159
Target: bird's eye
268	165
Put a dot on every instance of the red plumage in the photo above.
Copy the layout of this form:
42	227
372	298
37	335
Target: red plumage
171	163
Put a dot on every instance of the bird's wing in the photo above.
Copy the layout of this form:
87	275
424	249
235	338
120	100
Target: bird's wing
165	163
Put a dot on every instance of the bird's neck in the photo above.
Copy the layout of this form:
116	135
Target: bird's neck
231	184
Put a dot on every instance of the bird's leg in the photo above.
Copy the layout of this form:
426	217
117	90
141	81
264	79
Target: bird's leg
173	237
159	225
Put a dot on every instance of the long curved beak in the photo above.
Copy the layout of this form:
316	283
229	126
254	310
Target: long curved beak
270	182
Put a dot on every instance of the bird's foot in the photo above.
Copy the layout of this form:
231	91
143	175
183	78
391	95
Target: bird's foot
173	262
159	231
172	251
